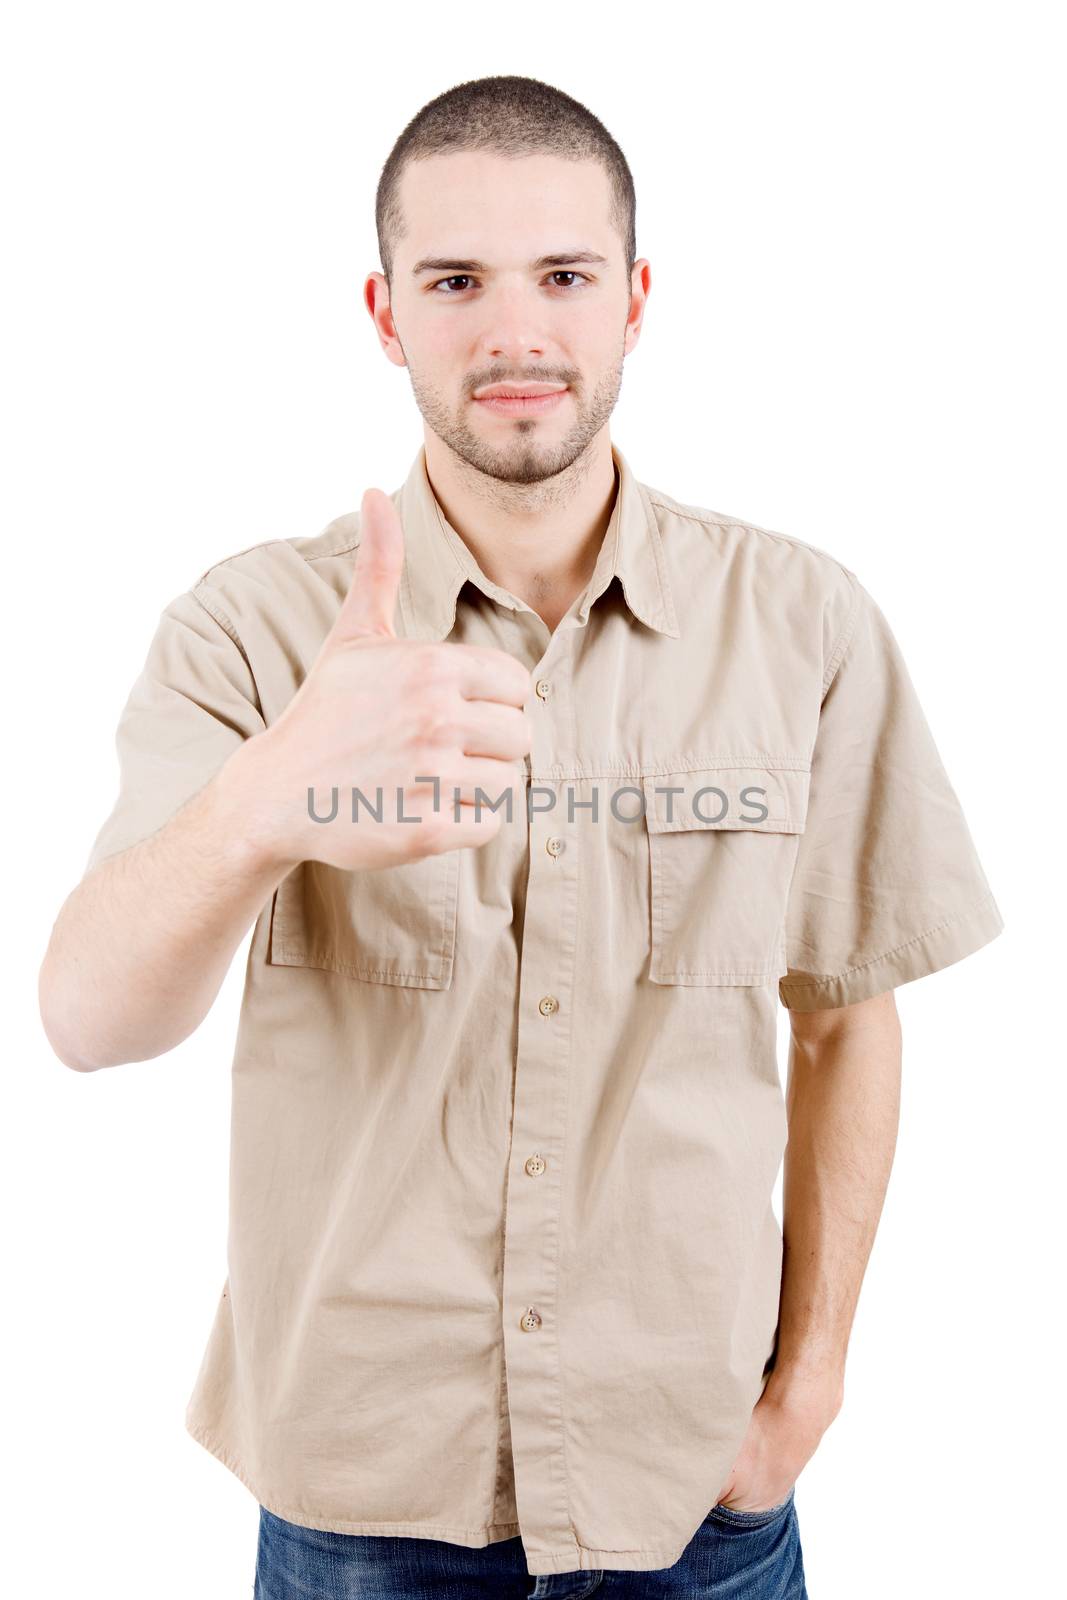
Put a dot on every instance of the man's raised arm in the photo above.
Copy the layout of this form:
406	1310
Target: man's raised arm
141	945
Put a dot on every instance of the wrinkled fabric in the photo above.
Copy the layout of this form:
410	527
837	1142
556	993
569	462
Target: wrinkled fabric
506	1121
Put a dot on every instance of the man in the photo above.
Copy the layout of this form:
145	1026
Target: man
507	1298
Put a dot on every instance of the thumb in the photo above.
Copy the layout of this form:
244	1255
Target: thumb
370	603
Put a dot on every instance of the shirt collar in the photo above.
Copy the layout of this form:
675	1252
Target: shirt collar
437	562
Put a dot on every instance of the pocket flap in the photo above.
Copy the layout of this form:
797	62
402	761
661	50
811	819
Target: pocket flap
394	925
767	798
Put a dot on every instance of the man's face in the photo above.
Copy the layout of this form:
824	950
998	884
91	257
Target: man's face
459	326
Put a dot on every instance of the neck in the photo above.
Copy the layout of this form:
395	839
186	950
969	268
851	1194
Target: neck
539	541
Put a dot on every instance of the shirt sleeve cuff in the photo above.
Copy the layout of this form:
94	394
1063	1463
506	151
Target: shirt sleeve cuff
938	947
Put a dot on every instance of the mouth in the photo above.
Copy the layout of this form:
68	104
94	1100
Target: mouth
518	404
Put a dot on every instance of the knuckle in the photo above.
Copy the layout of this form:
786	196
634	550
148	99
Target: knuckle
419	663
435	720
439	661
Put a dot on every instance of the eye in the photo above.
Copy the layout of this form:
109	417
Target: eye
459	277
465	277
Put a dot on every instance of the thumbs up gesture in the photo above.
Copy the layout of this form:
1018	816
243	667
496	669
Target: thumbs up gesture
379	713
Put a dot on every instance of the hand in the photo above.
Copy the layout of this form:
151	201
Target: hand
782	1437
377	713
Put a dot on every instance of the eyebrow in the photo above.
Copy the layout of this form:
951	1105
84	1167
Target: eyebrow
447	264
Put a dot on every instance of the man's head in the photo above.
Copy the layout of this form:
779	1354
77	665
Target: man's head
506	225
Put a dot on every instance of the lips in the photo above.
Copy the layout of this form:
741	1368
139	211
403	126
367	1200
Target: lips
515	391
509	401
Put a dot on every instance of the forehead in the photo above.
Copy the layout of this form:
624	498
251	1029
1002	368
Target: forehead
475	201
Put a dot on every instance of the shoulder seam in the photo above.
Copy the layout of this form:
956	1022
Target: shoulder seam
837	654
263	544
721	520
351	543
215	612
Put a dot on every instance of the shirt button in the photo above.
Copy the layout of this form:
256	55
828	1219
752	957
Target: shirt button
543	686
535	1165
555	847
547	1005
530	1320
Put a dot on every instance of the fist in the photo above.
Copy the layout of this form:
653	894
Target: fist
388	717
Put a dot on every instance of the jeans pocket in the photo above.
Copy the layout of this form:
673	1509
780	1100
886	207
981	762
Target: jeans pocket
751	1519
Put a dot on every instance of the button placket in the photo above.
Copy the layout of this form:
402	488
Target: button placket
530	1284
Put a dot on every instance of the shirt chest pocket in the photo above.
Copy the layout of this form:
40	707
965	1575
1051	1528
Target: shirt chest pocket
394	925
722	846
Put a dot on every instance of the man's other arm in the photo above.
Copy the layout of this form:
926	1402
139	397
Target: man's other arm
843	1106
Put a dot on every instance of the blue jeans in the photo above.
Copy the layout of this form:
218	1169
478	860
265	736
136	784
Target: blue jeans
734	1555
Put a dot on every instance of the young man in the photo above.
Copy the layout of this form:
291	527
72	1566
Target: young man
507	1297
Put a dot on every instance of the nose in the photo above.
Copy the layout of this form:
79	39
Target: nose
514	349
513	333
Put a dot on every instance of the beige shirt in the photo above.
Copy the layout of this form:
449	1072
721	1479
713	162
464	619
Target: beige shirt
506	1120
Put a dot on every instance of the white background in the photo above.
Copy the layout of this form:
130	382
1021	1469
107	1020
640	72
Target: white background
855	335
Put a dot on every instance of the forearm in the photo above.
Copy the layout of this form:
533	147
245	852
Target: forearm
843	1102
141	946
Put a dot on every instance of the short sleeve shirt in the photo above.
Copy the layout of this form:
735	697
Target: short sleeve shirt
506	1120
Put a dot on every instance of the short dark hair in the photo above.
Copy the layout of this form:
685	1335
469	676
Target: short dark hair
515	116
